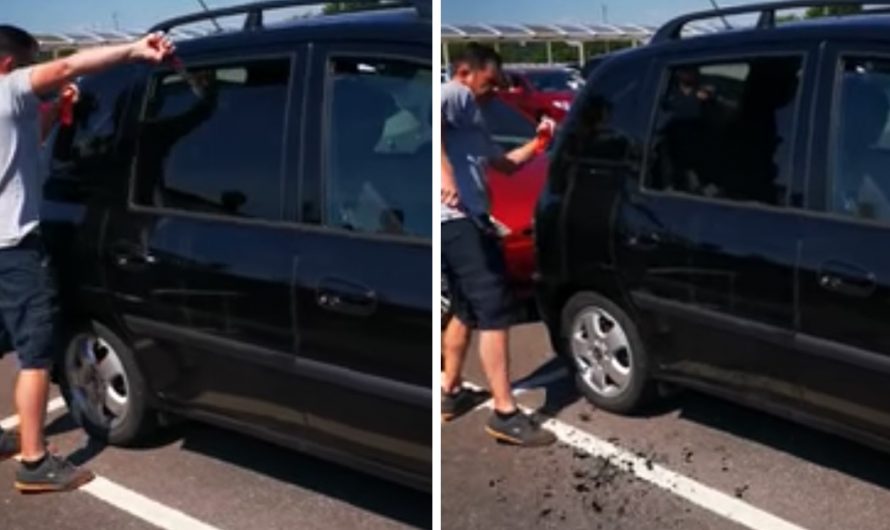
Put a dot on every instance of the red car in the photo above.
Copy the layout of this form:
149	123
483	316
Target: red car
541	91
513	200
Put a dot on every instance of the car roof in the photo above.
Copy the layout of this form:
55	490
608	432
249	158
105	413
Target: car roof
386	25
863	26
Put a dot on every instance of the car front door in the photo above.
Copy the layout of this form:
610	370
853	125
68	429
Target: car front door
844	282
725	156
206	214
364	319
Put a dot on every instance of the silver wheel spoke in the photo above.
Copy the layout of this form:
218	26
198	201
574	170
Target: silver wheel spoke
580	345
115	403
615	340
109	367
597	376
617	373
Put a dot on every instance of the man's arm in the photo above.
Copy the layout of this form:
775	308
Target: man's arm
49	77
511	162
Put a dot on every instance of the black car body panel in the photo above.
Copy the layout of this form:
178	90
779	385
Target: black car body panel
748	283
247	301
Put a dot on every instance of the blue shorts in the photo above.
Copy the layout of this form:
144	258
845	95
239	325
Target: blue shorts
473	264
28	304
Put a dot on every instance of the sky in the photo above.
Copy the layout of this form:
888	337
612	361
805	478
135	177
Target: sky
61	15
652	12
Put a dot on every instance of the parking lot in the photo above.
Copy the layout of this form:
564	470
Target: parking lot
195	477
694	462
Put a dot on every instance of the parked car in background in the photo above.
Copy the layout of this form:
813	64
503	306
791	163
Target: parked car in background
235	246
716	216
540	91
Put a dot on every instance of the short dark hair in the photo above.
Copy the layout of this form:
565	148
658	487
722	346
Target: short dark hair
477	56
16	41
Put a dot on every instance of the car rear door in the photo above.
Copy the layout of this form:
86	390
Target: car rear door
725	156
844	281
201	258
364	301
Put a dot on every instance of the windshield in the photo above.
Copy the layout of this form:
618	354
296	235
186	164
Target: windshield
552	81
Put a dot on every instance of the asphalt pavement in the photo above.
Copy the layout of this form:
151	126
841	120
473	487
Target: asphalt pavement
194	476
693	462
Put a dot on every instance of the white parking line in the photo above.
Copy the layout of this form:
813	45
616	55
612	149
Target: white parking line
125	499
706	497
53	405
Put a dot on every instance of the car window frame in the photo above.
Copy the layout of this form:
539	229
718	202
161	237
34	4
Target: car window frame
219	60
354	50
664	66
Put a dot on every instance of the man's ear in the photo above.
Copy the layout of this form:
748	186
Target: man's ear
7	64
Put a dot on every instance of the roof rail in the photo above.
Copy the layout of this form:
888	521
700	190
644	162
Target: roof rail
767	11
254	11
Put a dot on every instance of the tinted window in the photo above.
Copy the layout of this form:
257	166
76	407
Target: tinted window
724	130
509	127
380	150
606	125
97	115
861	171
215	145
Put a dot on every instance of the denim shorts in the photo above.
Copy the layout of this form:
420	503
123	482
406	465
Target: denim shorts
28	304
473	264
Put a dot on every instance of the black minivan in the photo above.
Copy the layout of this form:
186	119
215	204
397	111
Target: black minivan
248	242
717	216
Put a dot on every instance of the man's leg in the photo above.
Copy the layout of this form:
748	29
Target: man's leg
29	311
494	351
31	396
455	344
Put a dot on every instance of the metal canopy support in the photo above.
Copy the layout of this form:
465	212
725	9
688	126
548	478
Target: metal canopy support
549	52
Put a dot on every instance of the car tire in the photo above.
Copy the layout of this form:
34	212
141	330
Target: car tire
615	343
114	369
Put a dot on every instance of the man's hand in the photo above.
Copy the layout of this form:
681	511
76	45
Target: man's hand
70	92
450	195
154	48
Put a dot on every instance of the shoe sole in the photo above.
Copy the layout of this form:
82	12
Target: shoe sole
36	489
501	437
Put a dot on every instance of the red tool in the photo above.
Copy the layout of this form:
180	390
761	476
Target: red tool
66	105
545	135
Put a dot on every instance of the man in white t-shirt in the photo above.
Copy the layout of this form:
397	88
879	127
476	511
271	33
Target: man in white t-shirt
28	309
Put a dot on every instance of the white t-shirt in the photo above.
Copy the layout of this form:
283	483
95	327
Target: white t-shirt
21	182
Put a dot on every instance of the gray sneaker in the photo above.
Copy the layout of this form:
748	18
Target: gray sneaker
460	402
519	429
9	444
52	475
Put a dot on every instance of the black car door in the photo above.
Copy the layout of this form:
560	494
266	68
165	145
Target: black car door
725	156
844	281
202	255
364	300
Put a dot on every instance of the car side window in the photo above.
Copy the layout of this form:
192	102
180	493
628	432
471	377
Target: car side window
213	143
379	149
97	116
724	130
861	165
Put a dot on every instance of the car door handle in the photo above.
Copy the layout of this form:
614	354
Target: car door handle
648	241
342	296
128	255
846	279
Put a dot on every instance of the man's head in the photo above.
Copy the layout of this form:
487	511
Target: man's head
479	68
18	48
